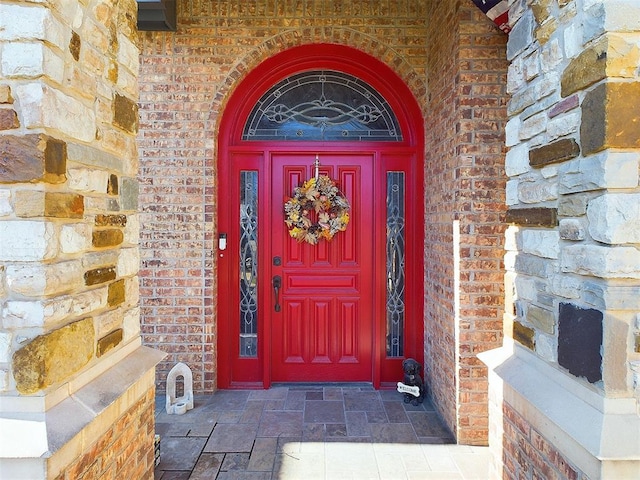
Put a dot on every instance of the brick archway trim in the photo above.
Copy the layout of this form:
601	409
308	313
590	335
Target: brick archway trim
330	35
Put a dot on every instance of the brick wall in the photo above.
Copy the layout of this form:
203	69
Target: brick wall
185	78
465	184
124	450
528	454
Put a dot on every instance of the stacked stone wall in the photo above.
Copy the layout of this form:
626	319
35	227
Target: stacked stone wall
185	80
573	183
69	241
464	211
573	247
68	190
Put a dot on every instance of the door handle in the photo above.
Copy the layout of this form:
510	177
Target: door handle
277	284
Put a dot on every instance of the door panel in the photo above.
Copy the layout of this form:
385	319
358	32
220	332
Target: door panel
324	332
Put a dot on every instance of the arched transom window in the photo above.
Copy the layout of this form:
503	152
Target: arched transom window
322	105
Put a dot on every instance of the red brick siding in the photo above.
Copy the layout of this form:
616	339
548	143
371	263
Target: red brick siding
465	181
527	454
125	450
185	79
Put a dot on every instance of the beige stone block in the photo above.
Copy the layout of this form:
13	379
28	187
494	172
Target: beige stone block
131	324
607	169
46	107
601	261
51	312
541	318
540	242
615	354
5	202
75	238
100	259
31	60
94	157
132	291
5	347
45	279
128	54
614	218
88	180
131	230
4	380
535	191
128	262
28	241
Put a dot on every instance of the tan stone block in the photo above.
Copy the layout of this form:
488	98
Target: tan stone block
74	46
63	205
609	119
33	203
524	335
586	69
5	94
541	318
544	32
540	217
559	151
116	294
125	113
611	56
107	238
109	342
99	275
102	220
8	119
51	358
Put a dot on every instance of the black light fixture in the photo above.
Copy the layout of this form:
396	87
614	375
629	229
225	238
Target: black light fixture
157	15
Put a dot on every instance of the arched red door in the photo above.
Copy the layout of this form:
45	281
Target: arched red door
349	309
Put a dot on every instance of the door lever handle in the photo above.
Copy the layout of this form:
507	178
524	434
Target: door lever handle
277	284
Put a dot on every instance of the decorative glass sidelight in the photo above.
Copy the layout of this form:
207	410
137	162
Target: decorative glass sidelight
395	274
248	264
322	105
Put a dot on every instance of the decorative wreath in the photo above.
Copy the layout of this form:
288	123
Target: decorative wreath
319	195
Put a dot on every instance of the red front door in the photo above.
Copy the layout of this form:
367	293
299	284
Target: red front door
321	317
349	309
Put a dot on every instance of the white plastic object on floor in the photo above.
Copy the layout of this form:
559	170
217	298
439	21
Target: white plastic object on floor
180	405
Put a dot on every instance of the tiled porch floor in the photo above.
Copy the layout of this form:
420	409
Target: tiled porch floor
311	432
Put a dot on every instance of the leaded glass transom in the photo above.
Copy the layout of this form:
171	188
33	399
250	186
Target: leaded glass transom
395	274
322	105
248	264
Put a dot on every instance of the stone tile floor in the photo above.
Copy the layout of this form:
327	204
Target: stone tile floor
330	432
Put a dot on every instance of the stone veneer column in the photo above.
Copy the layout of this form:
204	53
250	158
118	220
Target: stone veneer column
71	361
564	388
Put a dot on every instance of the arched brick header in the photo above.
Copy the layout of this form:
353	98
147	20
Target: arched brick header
415	81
